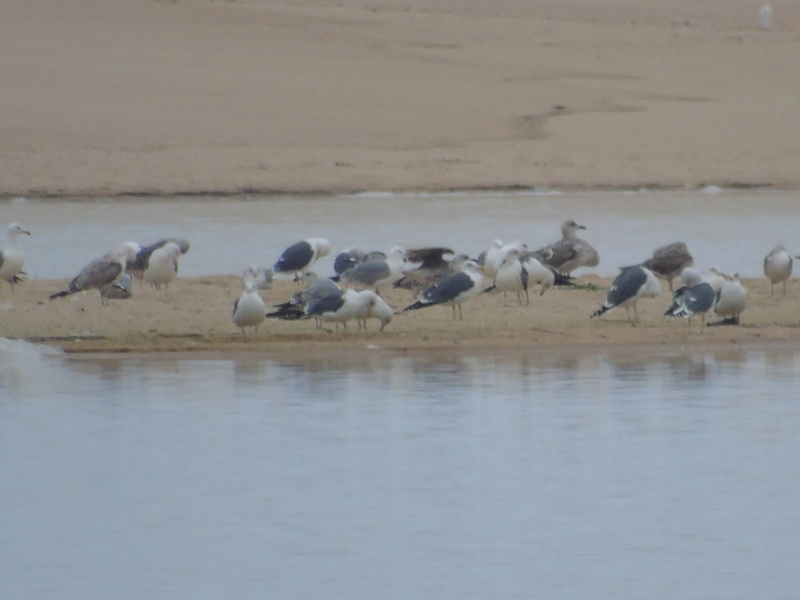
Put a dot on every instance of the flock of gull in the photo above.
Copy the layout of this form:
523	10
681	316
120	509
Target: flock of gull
435	276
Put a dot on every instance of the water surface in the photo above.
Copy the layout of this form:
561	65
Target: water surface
670	474
732	230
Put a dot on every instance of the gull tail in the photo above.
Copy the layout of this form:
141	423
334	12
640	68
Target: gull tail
489	289
60	294
601	311
561	279
287	311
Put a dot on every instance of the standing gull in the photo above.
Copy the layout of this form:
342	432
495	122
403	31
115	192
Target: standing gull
319	287
570	252
378	273
341	308
539	274
453	290
300	256
431	268
12	258
139	264
669	261
629	286
249	310
696	297
730	302
101	272
511	276
162	268
778	267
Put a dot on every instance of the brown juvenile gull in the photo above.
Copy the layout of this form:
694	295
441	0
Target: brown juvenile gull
12	258
431	268
568	253
669	261
101	272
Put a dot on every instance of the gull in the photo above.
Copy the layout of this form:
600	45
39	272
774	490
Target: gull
730	301
139	264
570	252
538	274
695	297
101	272
377	273
162	267
669	261
453	290
433	266
12	258
258	275
121	289
340	308
629	286
511	276
778	267
318	287
491	258
301	255
249	310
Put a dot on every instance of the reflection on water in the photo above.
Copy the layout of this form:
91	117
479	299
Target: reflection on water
732	230
667	474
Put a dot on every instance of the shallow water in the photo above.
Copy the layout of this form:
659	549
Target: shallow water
667	474
732	230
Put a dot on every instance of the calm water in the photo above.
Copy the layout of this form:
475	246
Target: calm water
732	230
629	475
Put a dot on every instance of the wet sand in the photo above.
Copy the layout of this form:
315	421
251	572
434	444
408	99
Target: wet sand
195	315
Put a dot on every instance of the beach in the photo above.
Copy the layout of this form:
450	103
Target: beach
194	314
204	97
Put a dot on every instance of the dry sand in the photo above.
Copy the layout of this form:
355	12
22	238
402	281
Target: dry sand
195	315
202	96
163	96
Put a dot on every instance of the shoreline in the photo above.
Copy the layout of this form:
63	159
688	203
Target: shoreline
194	318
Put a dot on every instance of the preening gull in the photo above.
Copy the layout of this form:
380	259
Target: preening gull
695	297
162	267
378	273
453	290
347	259
539	274
378	309
249	310
629	286
258	275
490	259
716	278
669	261
778	267
139	264
121	289
101	272
730	302
511	276
340	308
301	255
12	257
318	287
570	252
